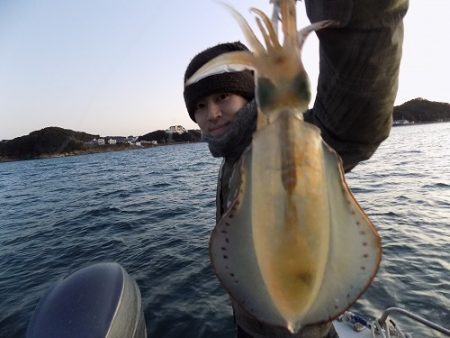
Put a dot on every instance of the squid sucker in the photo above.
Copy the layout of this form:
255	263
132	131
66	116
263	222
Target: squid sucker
294	247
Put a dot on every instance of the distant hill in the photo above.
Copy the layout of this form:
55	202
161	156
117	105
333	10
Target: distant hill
47	141
420	110
53	141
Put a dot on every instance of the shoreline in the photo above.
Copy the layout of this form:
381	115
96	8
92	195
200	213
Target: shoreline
417	123
93	150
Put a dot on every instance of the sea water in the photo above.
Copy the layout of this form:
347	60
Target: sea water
152	211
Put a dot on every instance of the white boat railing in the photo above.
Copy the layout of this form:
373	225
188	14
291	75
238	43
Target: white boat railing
395	310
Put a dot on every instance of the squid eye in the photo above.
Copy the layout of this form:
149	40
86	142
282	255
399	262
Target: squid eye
266	92
300	85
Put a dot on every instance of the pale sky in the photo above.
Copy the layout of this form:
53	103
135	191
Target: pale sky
115	67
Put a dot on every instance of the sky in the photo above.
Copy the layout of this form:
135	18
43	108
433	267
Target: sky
115	67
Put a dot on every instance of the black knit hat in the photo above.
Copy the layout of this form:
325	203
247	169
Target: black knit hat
240	83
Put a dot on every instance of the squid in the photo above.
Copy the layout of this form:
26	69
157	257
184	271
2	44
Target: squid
294	247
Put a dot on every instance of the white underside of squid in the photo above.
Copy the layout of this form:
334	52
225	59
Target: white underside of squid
299	258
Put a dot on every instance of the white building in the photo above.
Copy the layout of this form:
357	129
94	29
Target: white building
131	139
176	129
153	142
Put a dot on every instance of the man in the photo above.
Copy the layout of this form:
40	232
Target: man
359	66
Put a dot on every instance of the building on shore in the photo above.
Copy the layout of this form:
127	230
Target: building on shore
176	129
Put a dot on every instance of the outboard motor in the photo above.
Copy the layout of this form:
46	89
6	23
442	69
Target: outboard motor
101	300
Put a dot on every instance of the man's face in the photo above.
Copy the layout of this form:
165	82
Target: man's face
215	113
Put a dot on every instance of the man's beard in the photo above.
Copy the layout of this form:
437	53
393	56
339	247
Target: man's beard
237	137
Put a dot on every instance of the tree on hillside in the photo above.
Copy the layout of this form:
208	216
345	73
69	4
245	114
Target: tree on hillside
51	140
189	136
421	110
159	135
